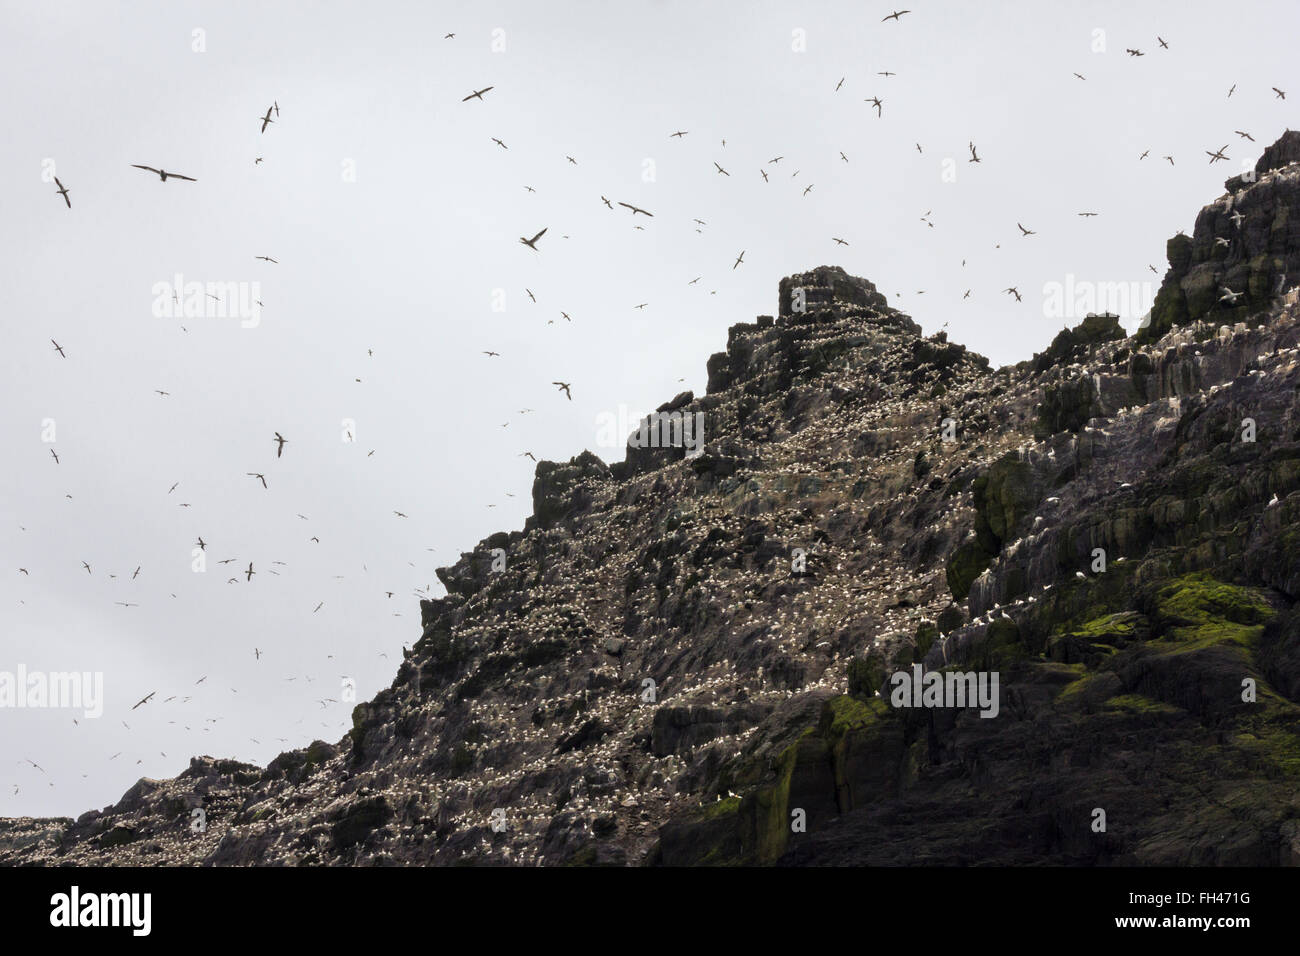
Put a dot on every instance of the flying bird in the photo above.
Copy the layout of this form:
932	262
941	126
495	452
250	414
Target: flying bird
1027	232
499	143
145	700
259	477
476	94
876	105
58	348
62	191
895	15
840	241
1014	291
267	259
679	134
607	202
1244	135
1135	53
532	243
248	575
739	259
974	156
1216	156
1163	43
163	175
636	209
564	387
1280	94
266	119
281	442
720	169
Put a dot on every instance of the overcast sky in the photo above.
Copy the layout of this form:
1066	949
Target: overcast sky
395	221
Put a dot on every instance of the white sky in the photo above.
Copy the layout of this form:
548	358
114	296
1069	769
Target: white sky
405	261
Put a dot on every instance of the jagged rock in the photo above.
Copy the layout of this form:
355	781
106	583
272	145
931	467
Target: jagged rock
1262	250
560	490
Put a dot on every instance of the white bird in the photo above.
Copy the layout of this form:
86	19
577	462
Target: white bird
1272	501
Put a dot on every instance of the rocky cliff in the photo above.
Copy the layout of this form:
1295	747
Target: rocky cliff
681	654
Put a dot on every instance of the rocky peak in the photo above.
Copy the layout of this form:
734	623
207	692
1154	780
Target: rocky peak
1244	251
826	287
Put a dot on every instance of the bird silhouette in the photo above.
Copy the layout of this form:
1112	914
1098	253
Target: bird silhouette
532	243
163	175
564	387
62	191
476	94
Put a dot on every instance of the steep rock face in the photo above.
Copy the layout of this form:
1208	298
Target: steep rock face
1247	242
677	656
